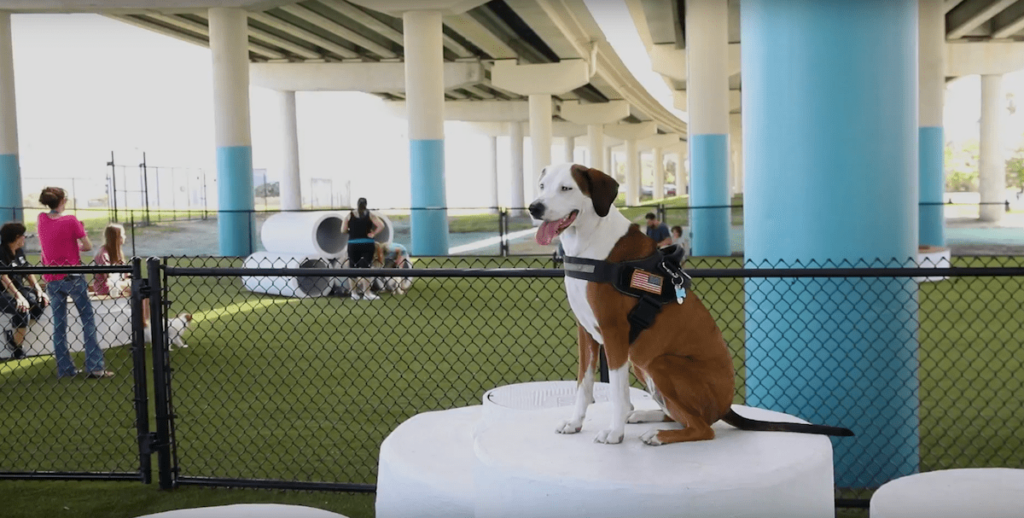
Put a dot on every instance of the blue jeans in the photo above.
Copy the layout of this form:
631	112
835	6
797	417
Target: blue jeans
78	289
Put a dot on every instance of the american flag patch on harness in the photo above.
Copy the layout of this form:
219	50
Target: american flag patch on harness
646	281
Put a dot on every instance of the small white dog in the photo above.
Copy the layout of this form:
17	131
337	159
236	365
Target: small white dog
175	328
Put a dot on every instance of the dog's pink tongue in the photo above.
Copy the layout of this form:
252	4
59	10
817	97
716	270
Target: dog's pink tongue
547	232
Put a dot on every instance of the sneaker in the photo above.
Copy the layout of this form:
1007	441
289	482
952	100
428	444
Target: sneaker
100	374
371	296
356	296
16	351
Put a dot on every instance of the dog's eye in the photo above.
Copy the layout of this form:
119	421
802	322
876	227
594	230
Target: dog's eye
566	188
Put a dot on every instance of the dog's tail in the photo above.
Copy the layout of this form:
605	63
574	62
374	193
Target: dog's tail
771	426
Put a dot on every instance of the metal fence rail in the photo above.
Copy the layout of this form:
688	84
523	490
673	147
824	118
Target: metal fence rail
293	392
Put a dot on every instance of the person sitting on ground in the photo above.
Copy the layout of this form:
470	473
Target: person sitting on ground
678	239
22	296
361	226
116	284
658	231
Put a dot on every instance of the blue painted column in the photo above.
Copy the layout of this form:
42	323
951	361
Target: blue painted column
707	59
932	66
424	80
830	99
10	171
229	45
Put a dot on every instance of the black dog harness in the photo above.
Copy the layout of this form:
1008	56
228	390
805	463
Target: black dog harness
656	280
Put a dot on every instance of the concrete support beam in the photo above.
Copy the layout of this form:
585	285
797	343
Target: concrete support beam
540	137
975	20
670	61
680	100
399	7
291	190
708	106
663	140
10	169
236	222
474	111
562	129
492	176
992	174
931	142
594	113
658	157
425	85
984	58
545	78
736	150
631	134
354	77
569	149
518	199
681	152
595	147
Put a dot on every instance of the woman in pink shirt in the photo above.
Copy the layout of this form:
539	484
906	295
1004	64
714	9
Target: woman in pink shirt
62	238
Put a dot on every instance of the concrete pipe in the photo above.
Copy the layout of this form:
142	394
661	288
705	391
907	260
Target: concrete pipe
301	287
305	233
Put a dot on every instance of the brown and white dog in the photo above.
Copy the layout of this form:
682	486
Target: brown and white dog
175	329
682	357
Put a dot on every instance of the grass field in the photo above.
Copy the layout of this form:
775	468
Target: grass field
306	389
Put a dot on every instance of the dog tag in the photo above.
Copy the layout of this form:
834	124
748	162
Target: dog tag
680	294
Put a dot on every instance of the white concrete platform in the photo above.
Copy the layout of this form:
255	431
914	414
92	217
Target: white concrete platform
509	461
248	511
524	469
933	257
978	493
113	327
509	400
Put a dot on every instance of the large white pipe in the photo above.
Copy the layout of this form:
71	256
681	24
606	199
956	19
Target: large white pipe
313	233
300	287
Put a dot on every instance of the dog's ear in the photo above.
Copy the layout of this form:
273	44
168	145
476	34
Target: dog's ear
601	188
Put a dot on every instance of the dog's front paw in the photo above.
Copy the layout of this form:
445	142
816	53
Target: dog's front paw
570	427
183	346
645	416
609	437
651	437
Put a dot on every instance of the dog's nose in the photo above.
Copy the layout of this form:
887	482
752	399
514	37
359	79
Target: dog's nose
537	210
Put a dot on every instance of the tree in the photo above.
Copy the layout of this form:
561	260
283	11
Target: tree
961	167
1015	169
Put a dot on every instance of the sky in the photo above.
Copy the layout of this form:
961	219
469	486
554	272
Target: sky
89	85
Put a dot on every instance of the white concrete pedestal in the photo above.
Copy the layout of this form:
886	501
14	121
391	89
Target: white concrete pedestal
504	459
933	257
979	492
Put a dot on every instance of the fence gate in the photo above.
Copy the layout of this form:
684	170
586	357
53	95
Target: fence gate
74	428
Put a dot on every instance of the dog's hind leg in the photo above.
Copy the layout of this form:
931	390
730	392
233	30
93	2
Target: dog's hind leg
688	400
648	416
589	350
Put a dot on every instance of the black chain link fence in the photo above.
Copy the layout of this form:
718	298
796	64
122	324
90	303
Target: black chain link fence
59	421
925	365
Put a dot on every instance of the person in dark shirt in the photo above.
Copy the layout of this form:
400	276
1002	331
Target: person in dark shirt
361	226
21	296
658	231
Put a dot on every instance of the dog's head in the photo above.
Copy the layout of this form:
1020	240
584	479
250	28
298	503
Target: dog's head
186	318
568	191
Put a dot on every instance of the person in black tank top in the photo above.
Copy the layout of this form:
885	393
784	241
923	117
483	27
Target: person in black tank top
361	226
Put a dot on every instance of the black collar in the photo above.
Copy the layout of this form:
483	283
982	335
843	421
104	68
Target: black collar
663	268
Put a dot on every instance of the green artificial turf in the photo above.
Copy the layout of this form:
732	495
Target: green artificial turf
306	389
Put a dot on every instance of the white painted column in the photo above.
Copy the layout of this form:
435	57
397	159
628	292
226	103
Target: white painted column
736	149
707	60
609	160
424	80
540	137
229	47
595	145
931	140
291	186
682	174
570	149
992	178
10	169
632	173
515	135
659	173
492	178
